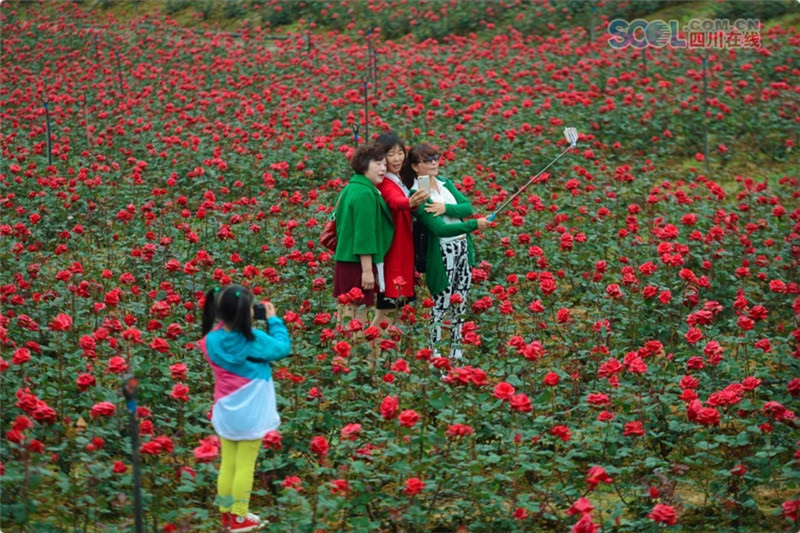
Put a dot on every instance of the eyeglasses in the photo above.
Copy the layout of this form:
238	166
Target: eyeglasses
430	159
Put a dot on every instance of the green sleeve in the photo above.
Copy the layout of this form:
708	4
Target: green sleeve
440	228
462	208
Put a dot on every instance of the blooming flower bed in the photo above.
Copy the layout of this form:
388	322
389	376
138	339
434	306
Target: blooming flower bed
631	355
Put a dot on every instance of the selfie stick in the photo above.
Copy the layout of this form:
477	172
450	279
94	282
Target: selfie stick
130	386
571	135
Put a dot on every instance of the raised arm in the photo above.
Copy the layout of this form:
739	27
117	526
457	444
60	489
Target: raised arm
440	228
273	345
461	209
395	199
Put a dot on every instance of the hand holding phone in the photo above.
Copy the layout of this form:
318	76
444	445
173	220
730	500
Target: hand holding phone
424	183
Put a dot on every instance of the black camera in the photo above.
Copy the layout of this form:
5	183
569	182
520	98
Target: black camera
259	312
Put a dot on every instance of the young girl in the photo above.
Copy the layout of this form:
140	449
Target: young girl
244	394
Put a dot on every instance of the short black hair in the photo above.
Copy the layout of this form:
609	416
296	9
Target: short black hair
364	155
232	305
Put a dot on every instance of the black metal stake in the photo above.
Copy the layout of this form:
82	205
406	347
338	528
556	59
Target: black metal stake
705	108
591	21
96	52
375	69
366	113
49	141
130	387
86	123
119	72
644	61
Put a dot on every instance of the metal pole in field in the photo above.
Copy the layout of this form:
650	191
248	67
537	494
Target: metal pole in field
366	113
130	387
119	72
375	69
86	123
96	52
705	107
49	141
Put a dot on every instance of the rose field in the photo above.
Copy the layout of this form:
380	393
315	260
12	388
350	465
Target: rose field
632	345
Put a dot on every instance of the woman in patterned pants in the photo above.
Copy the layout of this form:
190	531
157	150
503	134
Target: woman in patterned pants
450	253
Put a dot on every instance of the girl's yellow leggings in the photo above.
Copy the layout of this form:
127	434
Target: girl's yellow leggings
235	480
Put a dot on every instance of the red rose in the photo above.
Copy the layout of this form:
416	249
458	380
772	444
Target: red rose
562	432
272	440
597	475
103	409
120	467
504	391
582	506
413	486
340	487
350	431
459	430
319	446
180	392
159	345
520	402
85	381
562	316
22	423
791	510
206	452
117	365
633	429
292	482
389	407
62	322
597	398
178	372
693	335
408	418
551	379
585	525
664	514
21	355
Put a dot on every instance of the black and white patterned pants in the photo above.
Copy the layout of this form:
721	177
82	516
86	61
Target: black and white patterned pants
459	276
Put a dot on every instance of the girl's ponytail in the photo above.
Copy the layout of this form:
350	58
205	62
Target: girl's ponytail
210	311
233	305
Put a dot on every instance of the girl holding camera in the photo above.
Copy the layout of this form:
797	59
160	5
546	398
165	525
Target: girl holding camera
244	394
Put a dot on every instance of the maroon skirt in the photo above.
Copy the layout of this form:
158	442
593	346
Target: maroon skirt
347	276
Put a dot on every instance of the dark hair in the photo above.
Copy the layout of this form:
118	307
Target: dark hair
364	155
387	141
414	156
232	305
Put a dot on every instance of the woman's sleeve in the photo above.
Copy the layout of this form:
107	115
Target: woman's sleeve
462	208
273	345
395	199
440	228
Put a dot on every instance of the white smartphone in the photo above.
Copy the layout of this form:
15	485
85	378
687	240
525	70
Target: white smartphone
424	183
